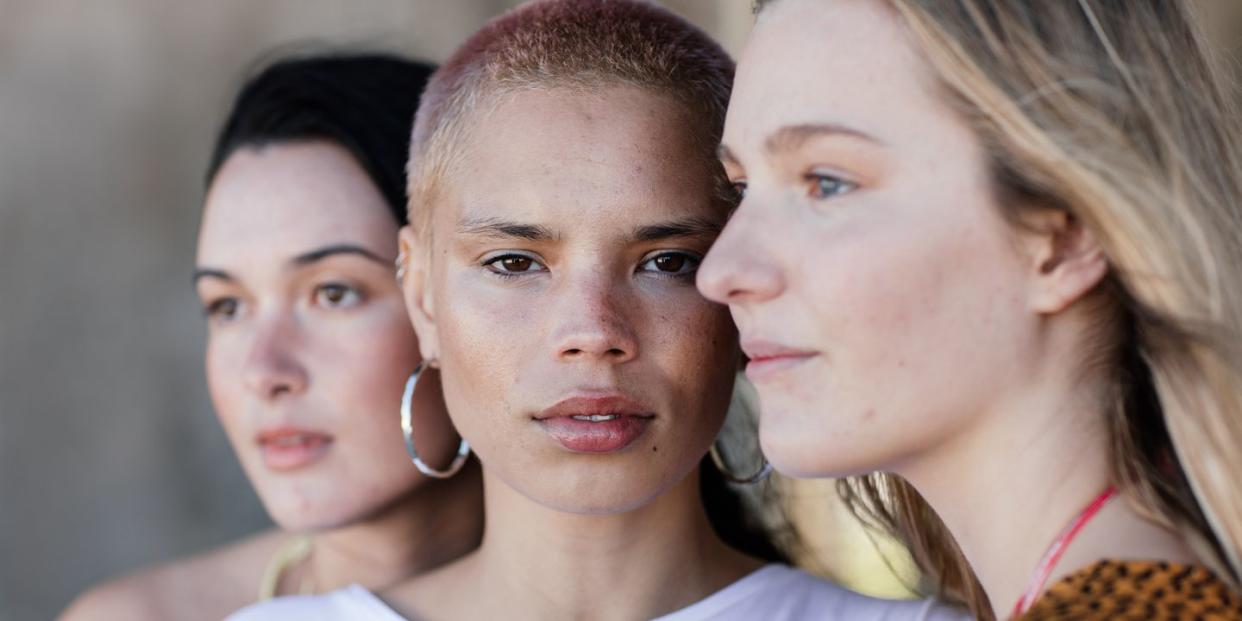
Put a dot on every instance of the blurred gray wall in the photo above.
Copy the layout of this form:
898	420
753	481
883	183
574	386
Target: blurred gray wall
110	456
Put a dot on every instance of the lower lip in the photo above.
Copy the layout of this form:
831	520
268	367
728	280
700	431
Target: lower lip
583	436
763	369
285	457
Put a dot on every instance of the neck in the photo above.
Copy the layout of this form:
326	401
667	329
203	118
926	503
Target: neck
639	564
1007	487
436	523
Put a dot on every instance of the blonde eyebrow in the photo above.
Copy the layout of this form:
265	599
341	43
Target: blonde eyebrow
791	137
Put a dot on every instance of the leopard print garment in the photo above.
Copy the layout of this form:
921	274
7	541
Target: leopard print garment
1144	590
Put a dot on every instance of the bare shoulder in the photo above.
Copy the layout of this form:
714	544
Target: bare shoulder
209	585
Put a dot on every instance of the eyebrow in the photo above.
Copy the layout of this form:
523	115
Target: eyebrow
493	227
206	272
791	137
686	227
320	254
301	260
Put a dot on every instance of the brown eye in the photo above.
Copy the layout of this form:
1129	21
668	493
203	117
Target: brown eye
335	295
739	190
222	309
671	264
516	264
513	265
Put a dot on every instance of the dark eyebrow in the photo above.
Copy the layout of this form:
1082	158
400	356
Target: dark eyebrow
207	272
492	227
688	227
305	258
320	254
791	137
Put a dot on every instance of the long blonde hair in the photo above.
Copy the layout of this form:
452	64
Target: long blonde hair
1113	111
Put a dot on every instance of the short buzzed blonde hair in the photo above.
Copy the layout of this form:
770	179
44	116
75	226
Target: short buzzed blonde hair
579	45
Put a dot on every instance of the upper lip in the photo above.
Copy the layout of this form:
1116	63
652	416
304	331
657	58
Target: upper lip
272	434
766	350
595	403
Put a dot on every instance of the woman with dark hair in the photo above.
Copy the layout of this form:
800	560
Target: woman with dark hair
309	347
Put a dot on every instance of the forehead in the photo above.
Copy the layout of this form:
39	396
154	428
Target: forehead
845	62
621	153
284	199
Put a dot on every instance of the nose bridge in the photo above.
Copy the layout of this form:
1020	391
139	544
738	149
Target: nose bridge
593	317
744	264
271	364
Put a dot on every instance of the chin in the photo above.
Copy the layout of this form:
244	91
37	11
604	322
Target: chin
310	521
799	455
604	494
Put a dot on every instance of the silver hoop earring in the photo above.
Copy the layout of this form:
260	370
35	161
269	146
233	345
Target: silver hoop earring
764	472
407	428
400	265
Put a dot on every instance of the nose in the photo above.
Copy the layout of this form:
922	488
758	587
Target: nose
593	323
271	369
742	266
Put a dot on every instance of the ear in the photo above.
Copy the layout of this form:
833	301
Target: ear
416	289
1066	260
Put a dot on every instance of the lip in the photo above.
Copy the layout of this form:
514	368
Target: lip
768	359
629	421
290	448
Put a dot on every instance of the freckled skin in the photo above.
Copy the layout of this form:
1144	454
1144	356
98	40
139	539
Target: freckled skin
593	168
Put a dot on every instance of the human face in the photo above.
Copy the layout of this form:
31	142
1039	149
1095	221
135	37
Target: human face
308	341
877	288
560	283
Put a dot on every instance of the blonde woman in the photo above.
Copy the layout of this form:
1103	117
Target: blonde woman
991	248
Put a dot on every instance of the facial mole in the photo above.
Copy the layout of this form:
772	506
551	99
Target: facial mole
653	448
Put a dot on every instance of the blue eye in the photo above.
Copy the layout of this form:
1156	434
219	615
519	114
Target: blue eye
671	264
513	265
825	186
336	295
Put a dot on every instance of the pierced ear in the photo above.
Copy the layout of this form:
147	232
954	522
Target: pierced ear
1067	262
417	293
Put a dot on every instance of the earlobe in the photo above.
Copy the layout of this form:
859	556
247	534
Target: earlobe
1068	262
416	292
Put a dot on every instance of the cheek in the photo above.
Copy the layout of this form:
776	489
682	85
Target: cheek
696	342
916	325
363	368
224	362
488	337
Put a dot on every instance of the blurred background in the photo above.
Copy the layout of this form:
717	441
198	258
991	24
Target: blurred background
110	455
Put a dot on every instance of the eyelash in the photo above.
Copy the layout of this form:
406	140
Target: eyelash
813	179
683	275
214	310
491	265
347	290
225	309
